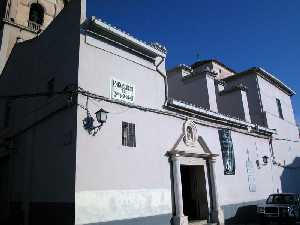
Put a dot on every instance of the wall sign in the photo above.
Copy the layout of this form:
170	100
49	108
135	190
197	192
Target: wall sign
227	151
251	173
122	91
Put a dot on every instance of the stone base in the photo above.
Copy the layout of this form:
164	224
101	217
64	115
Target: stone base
180	220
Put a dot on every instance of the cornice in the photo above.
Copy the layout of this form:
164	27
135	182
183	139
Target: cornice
121	37
220	118
265	75
234	88
198	74
199	63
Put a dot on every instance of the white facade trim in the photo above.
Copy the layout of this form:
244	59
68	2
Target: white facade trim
272	77
219	116
125	36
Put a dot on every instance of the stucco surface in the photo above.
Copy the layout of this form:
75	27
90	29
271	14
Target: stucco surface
117	205
232	104
100	156
189	90
100	62
111	172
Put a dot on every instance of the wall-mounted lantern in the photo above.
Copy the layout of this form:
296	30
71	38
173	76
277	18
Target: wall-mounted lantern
88	122
265	159
101	116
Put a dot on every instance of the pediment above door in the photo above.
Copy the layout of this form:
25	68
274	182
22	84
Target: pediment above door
191	144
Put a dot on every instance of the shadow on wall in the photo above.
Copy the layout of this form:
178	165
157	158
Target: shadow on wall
244	213
290	177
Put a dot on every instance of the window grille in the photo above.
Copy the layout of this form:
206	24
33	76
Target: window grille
128	134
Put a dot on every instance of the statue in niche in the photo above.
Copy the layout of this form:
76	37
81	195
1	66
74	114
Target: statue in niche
190	133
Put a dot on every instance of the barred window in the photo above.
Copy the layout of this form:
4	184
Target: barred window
128	134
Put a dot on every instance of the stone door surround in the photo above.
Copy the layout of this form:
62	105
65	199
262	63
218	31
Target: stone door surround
176	160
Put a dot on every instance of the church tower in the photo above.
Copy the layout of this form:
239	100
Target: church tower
22	20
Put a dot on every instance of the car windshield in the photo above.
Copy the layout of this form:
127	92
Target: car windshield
281	199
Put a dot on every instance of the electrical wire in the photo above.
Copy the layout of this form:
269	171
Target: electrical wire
74	90
96	102
284	139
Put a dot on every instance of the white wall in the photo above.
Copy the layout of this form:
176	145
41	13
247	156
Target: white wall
269	93
193	90
100	62
124	183
117	183
137	178
234	103
285	127
114	182
255	106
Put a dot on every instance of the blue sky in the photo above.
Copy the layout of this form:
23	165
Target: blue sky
241	34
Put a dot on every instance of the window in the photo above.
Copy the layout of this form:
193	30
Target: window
128	134
279	108
36	14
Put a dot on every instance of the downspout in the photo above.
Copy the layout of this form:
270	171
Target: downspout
272	162
163	74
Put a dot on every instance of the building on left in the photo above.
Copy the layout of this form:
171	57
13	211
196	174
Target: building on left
24	20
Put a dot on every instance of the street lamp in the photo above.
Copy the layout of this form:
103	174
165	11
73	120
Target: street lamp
88	122
101	116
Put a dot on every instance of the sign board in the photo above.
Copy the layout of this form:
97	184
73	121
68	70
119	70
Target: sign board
251	176
227	151
122	91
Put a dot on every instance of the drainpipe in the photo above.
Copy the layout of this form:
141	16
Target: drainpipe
272	162
163	74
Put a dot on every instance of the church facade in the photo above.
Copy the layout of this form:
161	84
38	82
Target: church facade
103	134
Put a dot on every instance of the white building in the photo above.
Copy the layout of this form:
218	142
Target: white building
176	147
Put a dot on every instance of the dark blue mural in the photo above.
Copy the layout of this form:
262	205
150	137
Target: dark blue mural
227	151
